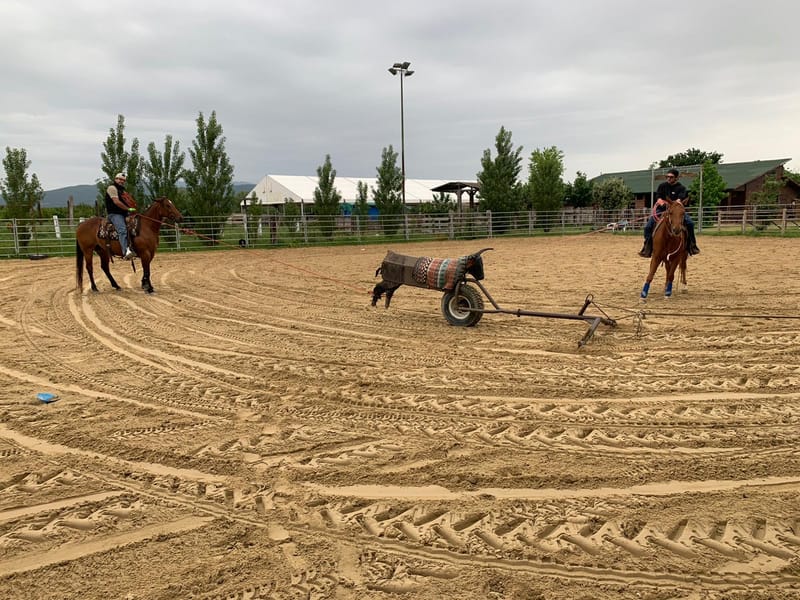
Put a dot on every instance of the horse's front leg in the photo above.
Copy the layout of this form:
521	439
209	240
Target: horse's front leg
654	262
146	285
671	265
104	264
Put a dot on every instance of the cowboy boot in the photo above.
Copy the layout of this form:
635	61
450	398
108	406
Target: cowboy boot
647	249
693	249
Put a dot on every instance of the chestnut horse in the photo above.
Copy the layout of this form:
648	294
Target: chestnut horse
88	241
669	247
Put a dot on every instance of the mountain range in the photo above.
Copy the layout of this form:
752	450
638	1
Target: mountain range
86	194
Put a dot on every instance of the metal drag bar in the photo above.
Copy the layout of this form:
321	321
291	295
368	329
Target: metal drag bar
593	320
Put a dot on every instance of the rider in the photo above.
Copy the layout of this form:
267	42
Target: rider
670	190
117	209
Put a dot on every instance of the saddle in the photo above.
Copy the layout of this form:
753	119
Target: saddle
106	230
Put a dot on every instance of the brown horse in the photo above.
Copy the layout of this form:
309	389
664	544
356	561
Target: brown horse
88	241
669	247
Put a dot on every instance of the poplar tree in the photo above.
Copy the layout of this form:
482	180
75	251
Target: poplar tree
388	193
209	184
115	159
20	194
361	205
163	169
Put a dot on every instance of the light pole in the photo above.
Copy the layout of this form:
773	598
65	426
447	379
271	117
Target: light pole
402	69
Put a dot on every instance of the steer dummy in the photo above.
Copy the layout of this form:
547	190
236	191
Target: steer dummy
425	272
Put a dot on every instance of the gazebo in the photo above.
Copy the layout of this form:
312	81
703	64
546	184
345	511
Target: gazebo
458	188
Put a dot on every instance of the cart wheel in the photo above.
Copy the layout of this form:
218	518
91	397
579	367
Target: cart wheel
457	309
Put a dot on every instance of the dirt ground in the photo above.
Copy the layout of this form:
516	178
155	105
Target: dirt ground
256	430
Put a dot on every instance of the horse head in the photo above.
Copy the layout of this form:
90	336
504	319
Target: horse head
167	210
675	215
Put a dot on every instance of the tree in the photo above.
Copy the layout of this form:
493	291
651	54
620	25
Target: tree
501	190
793	175
209	184
20	194
441	203
611	193
116	159
545	185
765	200
163	170
713	187
327	198
361	205
387	194
692	156
578	193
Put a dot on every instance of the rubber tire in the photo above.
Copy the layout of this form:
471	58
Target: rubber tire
454	308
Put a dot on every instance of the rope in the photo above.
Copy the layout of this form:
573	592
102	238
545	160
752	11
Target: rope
641	314
291	266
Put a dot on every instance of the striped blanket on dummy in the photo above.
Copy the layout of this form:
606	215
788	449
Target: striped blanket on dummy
423	271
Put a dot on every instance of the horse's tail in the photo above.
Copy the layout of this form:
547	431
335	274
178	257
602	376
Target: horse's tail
78	267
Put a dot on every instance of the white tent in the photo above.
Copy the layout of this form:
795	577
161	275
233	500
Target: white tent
277	189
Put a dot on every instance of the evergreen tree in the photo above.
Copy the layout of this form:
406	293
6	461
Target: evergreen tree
20	194
501	190
388	193
209	184
162	170
327	198
115	159
545	183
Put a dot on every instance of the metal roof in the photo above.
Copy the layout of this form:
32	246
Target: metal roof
275	189
734	175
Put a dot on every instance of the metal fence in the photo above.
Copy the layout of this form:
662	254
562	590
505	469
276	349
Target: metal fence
22	238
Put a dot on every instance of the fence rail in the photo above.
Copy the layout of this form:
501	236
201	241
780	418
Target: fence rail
22	238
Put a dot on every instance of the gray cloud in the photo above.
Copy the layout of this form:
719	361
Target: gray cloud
615	85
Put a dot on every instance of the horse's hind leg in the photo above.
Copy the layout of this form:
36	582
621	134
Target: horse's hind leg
88	257
684	286
104	262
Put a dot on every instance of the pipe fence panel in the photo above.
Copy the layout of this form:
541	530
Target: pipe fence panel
23	238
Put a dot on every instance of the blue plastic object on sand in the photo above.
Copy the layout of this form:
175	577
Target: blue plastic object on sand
46	397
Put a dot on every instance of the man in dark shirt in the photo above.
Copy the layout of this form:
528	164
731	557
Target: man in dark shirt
671	190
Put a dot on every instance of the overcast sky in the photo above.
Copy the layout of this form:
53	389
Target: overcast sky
615	84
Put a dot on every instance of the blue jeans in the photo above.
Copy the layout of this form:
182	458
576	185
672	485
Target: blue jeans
122	230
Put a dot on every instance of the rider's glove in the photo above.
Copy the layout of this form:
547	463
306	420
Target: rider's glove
131	210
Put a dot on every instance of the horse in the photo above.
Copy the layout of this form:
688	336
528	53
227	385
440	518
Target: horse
669	247
88	240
